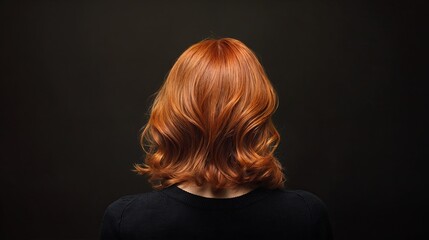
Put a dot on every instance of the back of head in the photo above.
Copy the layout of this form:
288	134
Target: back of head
210	122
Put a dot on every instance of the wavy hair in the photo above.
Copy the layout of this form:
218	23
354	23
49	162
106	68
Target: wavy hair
210	122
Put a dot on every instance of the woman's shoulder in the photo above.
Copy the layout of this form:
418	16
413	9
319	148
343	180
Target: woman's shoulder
299	202
317	211
125	201
310	198
312	201
115	210
122	202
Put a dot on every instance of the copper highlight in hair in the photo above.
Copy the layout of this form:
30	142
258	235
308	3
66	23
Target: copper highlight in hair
210	122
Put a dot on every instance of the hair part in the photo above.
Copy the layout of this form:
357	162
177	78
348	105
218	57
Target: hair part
210	122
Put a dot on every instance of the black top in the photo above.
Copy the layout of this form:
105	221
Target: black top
173	213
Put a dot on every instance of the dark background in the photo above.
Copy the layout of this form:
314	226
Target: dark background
77	78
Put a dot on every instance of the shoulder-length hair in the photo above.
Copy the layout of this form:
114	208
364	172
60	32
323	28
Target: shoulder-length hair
210	122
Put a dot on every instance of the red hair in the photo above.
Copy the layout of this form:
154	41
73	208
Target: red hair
210	122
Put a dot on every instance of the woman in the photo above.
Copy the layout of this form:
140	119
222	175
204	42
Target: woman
209	146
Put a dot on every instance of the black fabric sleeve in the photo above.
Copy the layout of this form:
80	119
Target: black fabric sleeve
320	225
111	222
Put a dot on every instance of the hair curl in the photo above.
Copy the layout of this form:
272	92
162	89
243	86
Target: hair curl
210	122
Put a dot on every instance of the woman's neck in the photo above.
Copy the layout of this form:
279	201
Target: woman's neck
209	192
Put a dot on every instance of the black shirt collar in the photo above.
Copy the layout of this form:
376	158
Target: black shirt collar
214	203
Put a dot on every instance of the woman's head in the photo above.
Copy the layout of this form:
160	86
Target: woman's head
210	122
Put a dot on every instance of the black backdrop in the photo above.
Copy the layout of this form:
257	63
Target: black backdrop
77	79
